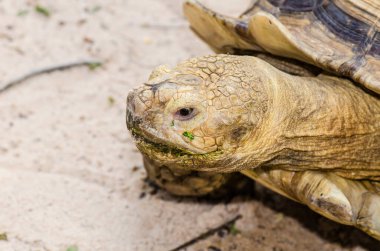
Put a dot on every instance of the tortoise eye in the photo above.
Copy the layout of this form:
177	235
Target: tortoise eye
185	113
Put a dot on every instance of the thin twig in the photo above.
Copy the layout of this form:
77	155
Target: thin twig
207	233
49	69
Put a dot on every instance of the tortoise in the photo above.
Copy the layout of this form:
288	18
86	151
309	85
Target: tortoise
291	100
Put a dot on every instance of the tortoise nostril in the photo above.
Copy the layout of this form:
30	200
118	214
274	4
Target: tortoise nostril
154	88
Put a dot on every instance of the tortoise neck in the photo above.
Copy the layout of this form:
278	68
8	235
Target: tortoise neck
325	123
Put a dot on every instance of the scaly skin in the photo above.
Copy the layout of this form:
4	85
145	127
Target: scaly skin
315	140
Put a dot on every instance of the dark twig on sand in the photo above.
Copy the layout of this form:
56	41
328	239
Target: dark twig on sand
208	233
49	69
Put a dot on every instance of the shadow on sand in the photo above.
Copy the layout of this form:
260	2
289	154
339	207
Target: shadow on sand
345	236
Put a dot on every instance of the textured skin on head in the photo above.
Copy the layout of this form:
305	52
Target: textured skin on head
229	87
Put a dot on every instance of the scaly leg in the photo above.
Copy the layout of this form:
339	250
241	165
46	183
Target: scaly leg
350	202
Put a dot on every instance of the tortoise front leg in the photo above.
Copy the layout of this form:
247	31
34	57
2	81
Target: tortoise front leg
340	199
350	202
184	182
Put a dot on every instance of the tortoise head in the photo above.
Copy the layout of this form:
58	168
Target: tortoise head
200	114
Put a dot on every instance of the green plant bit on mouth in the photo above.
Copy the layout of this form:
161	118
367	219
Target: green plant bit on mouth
3	237
42	10
172	124
188	135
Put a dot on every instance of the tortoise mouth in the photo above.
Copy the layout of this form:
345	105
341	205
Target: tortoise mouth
169	153
153	147
149	146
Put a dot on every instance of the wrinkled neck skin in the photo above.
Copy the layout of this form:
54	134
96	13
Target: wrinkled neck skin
317	123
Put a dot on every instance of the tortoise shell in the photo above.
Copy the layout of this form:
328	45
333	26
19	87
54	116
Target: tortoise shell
338	36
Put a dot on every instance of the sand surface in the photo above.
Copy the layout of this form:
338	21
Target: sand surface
70	174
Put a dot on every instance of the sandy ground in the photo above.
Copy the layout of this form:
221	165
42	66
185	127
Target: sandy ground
70	175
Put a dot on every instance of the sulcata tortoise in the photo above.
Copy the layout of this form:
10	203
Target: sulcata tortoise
291	100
